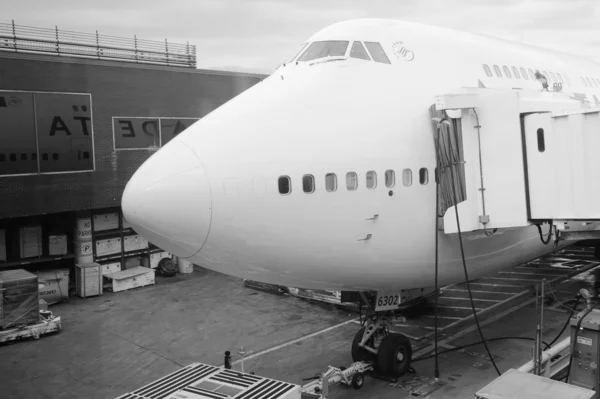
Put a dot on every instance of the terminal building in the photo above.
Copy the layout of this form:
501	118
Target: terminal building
79	113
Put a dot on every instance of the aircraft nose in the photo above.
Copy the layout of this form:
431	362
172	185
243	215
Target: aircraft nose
168	200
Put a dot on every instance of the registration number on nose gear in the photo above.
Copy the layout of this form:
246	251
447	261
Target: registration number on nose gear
387	301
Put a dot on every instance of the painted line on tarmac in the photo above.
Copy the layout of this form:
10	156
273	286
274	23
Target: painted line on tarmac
263	352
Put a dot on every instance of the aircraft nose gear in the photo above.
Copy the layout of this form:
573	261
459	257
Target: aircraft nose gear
391	353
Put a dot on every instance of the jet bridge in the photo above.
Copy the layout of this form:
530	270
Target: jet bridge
511	158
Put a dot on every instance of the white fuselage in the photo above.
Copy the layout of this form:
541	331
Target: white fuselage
222	209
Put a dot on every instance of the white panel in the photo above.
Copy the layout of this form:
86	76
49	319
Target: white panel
564	180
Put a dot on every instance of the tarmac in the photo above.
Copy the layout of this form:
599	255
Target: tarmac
118	342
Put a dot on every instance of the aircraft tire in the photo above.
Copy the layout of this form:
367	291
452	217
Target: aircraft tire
358	380
167	268
394	355
358	353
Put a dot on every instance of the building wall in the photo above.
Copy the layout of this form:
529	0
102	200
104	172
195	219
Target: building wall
48	132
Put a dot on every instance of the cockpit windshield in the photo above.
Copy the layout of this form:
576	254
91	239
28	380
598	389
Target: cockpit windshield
331	48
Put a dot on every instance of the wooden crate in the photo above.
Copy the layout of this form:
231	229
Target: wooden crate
57	244
19	298
2	245
107	221
88	279
127	279
110	267
108	246
30	241
135	243
155	258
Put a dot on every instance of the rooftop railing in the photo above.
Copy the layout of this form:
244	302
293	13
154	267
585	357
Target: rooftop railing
27	39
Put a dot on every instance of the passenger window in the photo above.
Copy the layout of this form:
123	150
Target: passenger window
531	74
516	73
507	72
351	181
358	51
423	176
308	184
540	140
407	177
390	178
487	70
330	182
560	77
377	52
285	185
371	179
524	73
497	71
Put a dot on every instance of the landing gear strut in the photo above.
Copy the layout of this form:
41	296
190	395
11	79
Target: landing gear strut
389	352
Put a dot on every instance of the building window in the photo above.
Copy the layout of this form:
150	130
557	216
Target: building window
390	178
560	78
407	177
553	77
487	70
540	140
583	80
507	72
531	74
524	73
516	72
285	185
351	181
423	176
371	179
330	182
308	184
497	71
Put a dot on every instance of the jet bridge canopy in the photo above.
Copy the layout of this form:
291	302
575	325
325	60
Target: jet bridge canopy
514	158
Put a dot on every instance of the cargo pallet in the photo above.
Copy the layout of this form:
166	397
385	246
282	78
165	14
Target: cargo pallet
47	325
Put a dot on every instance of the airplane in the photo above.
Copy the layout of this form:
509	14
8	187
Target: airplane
322	176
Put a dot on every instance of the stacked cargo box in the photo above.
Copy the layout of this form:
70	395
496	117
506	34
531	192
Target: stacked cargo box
19	305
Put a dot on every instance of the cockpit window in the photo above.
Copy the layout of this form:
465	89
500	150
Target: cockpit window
296	53
358	51
377	52
331	48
